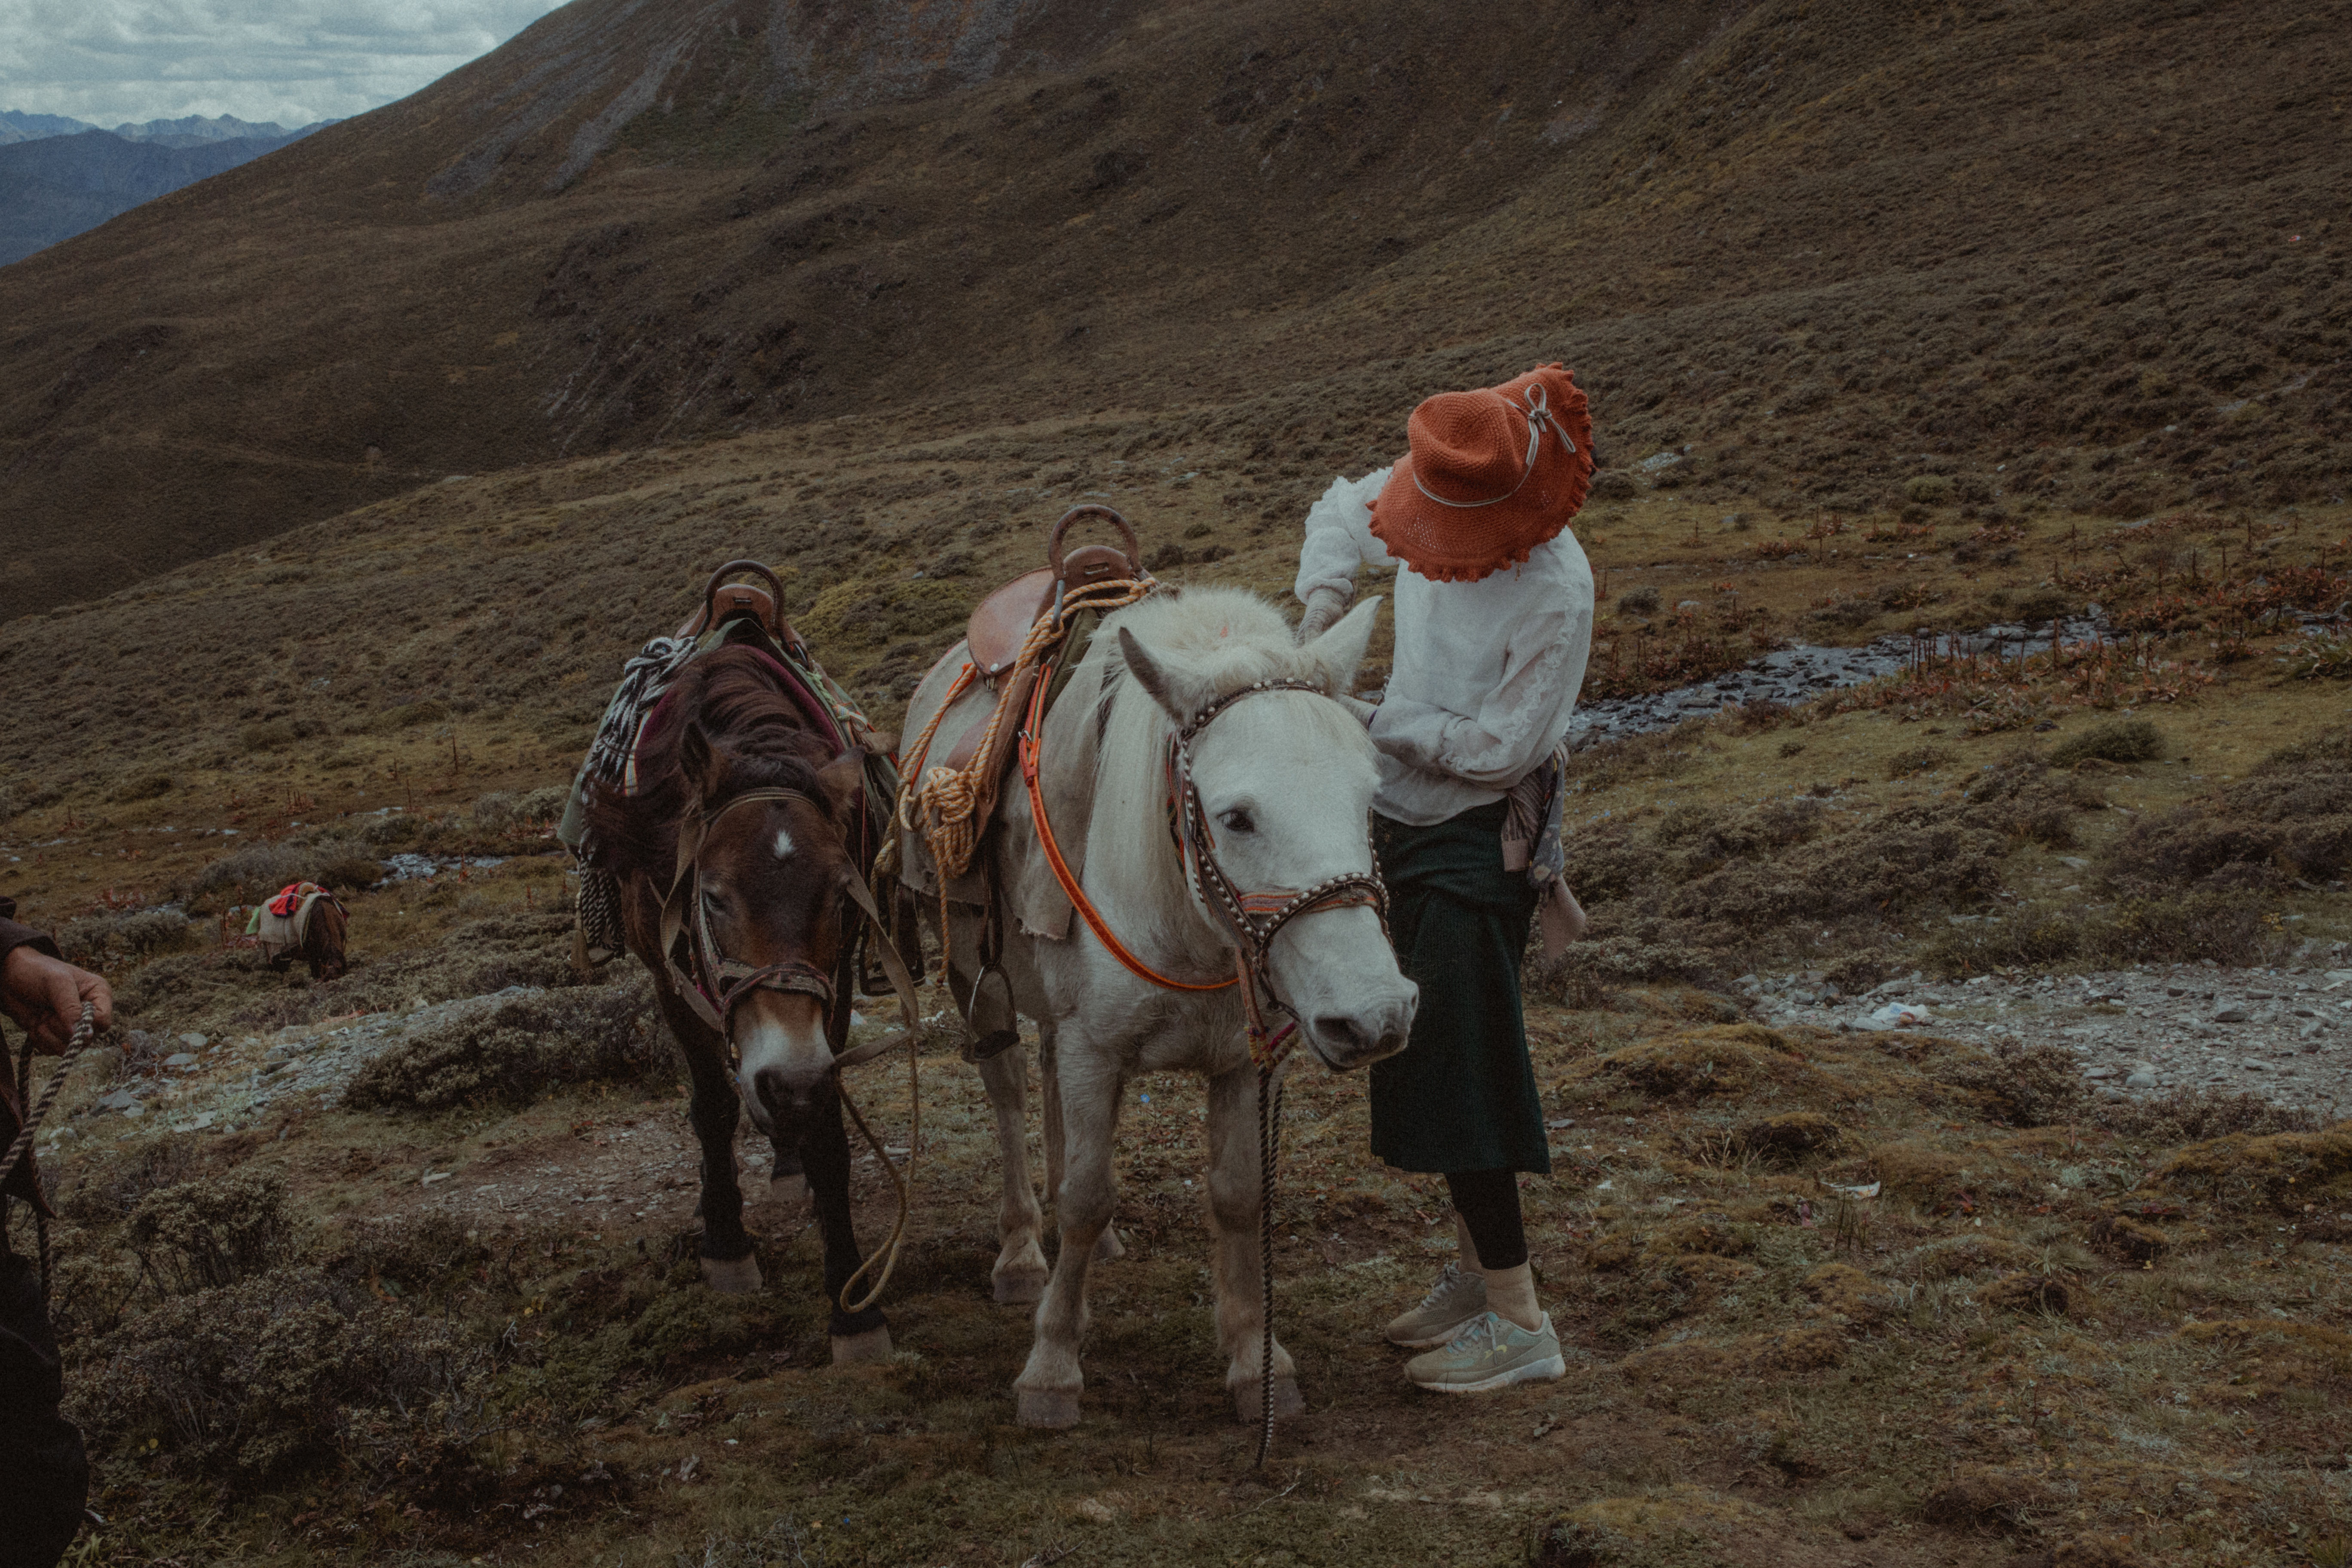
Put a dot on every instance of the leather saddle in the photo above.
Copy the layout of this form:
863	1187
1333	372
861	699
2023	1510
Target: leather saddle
1000	627
723	600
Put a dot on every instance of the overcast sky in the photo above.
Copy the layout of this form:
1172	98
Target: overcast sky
292	61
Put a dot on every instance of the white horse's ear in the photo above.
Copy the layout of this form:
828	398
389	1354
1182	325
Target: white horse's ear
1340	649
1177	690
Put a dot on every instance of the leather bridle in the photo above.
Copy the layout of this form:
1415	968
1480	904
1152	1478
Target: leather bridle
1252	920
711	983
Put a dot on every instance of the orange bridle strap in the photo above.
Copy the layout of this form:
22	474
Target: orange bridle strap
1030	734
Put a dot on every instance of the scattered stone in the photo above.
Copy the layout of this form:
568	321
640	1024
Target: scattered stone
2100	1072
2229	1014
180	1059
195	1042
120	1099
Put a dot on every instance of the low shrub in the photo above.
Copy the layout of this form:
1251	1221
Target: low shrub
1928	489
204	1235
2290	819
93	941
1638	602
1588	973
2025	1086
144	786
2229	928
503	809
1913	760
515	1052
2117	741
282	1372
261	868
2185	1117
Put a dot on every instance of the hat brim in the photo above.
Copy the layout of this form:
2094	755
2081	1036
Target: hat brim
1461	543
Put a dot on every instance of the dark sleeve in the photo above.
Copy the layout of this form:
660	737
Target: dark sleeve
13	936
43	1472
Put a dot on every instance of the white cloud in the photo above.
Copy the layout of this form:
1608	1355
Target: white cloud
293	61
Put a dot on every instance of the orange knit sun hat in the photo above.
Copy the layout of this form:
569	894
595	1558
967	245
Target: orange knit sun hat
1487	476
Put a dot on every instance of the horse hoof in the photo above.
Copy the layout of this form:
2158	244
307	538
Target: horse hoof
788	1190
1285	1399
874	1344
1019	1287
732	1276
1107	1246
1049	1408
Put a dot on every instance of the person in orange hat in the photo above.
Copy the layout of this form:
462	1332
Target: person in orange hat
1494	625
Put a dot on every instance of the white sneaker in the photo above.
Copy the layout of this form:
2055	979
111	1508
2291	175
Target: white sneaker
1491	1351
1453	1301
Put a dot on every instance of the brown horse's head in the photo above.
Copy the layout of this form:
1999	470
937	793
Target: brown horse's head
769	876
774	827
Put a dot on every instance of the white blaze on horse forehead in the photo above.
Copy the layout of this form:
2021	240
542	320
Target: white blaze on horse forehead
784	843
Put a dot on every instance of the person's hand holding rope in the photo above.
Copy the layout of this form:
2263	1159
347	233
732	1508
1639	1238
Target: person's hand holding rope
45	996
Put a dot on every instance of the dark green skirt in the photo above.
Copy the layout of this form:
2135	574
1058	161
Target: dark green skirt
1460	1096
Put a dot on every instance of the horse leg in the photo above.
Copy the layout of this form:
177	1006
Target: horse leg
728	1264
787	1177
825	1154
1048	1386
1107	1246
1019	1277
1234	1197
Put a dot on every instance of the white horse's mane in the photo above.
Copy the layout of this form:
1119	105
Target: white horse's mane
1221	639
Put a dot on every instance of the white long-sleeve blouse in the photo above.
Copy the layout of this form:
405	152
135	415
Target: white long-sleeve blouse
1485	673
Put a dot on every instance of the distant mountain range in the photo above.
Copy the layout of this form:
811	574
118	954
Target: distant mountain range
59	176
191	131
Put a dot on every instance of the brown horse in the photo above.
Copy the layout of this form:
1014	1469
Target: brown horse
748	938
317	939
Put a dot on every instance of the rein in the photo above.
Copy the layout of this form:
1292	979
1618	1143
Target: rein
712	984
1252	920
34	1111
711	981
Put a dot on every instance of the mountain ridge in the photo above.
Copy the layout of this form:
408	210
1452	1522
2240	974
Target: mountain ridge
53	187
1821	246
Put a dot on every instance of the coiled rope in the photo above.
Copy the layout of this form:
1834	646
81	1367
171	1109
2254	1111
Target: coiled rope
82	1034
942	803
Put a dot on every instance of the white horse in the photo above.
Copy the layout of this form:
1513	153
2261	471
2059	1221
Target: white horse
1285	778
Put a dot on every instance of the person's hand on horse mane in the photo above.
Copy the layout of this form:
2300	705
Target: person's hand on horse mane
45	996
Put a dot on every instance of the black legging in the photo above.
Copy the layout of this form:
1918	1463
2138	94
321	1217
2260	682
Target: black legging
1489	1203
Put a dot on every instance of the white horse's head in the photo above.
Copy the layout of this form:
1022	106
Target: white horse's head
1285	781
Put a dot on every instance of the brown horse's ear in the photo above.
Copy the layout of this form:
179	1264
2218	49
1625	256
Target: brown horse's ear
844	782
699	758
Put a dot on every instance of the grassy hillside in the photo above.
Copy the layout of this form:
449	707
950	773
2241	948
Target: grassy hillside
2089	255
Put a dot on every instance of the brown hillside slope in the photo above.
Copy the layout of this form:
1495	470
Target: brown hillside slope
1825	246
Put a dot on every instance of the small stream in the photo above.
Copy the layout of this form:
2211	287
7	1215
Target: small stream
1795	674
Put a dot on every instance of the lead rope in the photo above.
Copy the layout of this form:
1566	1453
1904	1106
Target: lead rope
1269	1141
888	1253
1267	1047
82	1032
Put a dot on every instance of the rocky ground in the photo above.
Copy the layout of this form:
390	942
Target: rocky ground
2284	1033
